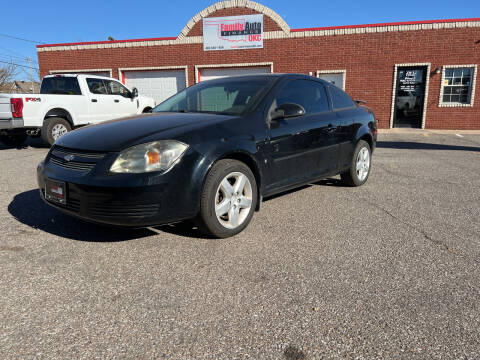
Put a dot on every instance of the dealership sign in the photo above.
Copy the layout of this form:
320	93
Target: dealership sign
233	32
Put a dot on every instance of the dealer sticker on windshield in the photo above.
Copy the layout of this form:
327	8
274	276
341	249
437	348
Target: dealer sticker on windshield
55	191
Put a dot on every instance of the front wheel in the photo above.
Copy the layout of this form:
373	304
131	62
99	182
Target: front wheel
360	165
53	128
229	198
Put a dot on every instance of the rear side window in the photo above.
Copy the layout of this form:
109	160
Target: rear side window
340	98
309	94
60	85
96	86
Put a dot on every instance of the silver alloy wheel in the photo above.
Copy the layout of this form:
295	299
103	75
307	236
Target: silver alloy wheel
363	163
58	130
233	200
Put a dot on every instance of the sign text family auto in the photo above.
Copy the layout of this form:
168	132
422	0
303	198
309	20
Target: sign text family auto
233	32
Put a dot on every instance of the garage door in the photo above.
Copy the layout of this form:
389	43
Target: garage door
159	85
210	74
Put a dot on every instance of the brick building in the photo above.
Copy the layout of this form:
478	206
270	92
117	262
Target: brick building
414	74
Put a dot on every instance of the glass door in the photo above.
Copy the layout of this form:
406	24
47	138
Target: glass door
410	96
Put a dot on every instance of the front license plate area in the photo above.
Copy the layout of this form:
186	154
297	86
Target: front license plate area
56	191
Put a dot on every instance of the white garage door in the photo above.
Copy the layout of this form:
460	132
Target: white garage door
159	85
210	74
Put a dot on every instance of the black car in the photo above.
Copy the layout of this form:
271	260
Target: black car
211	153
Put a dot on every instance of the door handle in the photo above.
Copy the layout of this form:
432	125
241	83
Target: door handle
94	100
116	100
331	128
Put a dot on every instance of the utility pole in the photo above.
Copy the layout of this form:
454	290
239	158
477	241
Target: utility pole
31	73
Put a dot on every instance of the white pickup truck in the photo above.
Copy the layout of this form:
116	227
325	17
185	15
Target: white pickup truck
64	103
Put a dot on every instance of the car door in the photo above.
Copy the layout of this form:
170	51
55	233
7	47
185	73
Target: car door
101	108
121	99
304	147
346	111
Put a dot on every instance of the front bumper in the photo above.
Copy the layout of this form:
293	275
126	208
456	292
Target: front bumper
134	200
11	123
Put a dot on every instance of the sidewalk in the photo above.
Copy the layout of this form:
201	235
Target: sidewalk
426	131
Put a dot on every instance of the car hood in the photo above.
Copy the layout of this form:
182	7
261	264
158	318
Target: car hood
116	135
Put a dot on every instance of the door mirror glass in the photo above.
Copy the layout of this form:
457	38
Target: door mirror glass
287	110
134	93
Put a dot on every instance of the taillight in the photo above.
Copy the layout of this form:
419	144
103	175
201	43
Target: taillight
17	107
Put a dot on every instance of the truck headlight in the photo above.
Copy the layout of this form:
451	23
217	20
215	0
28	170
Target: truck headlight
154	156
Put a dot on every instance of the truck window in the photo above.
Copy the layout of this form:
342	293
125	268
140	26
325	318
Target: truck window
97	86
60	85
115	88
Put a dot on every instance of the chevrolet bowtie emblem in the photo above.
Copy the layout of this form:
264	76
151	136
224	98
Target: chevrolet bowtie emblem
68	157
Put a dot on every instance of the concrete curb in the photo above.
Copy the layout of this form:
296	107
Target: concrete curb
425	131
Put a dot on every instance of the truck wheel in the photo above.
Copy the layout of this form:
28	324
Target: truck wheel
53	128
13	140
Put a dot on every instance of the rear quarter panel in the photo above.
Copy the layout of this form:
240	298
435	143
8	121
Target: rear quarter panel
37	106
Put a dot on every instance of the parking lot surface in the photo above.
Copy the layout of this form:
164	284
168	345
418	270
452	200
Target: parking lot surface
387	270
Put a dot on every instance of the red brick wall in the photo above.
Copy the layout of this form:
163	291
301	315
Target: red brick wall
368	58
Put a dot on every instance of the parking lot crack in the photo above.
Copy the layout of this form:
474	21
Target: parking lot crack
412	226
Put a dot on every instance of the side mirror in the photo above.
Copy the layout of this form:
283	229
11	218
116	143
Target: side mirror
134	93
287	110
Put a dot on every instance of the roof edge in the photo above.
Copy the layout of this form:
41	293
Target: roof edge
400	23
291	30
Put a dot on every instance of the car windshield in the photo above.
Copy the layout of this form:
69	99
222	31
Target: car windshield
226	96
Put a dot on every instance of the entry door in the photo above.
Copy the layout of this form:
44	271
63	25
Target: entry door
410	96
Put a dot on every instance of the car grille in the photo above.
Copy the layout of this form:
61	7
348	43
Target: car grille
77	160
101	207
118	210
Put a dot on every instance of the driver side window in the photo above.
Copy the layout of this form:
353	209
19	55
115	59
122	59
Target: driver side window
97	86
309	94
115	88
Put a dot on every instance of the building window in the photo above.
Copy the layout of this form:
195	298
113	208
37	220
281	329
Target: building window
336	77
458	85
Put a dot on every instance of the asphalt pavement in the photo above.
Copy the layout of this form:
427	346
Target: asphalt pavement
387	270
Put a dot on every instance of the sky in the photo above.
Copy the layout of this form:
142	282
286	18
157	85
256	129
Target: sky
59	21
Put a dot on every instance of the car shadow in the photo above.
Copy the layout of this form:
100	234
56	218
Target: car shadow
29	209
185	229
36	143
405	145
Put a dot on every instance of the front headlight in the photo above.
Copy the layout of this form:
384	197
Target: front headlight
153	156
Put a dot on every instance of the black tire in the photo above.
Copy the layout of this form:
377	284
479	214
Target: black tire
147	110
207	220
13	140
48	126
351	177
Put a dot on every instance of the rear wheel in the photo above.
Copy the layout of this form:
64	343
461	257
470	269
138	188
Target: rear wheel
53	128
229	198
359	169
14	139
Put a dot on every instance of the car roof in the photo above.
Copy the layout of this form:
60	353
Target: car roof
269	76
76	75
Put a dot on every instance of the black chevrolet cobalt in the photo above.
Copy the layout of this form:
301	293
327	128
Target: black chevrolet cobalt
211	153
